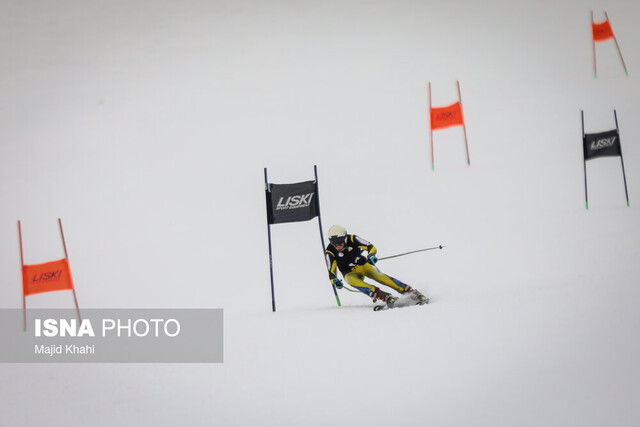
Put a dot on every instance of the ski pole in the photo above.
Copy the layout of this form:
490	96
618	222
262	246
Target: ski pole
411	252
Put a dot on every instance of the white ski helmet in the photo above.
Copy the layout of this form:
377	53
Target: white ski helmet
337	235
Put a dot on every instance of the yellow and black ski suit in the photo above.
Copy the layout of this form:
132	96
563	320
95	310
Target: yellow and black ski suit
353	263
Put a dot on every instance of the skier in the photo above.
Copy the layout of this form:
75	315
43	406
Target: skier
356	259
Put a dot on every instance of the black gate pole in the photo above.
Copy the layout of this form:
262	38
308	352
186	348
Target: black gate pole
624	176
267	189
315	171
584	159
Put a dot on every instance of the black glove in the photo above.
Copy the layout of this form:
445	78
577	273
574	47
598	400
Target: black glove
372	259
337	283
360	260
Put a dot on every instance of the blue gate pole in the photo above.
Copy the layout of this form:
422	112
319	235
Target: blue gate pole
315	171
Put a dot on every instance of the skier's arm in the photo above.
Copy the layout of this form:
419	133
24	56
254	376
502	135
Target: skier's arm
332	265
367	246
364	245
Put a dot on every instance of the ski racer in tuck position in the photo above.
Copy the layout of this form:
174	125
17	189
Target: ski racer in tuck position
355	258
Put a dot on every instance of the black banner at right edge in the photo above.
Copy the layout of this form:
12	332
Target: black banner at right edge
603	144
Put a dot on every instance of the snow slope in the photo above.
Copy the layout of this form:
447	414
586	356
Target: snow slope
146	126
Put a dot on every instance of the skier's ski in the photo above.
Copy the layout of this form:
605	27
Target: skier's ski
381	307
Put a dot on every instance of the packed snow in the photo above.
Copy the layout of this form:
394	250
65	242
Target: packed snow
146	127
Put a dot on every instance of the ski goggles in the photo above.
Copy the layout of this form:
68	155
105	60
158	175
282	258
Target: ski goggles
338	240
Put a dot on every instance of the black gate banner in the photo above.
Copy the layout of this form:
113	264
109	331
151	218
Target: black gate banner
602	144
292	202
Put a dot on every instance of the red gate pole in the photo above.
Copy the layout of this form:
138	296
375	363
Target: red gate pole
464	126
66	256
430	126
618	47
24	298
593	42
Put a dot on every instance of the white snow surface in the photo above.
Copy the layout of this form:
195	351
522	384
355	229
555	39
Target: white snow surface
146	125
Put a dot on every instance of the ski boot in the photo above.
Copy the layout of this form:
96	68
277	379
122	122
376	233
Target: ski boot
383	296
416	295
